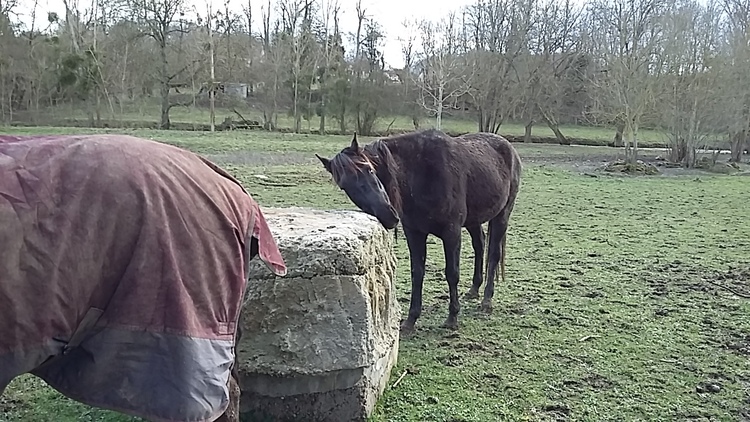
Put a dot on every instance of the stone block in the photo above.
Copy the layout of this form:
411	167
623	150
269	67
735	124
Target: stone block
319	344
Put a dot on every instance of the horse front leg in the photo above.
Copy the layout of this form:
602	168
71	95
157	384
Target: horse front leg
417	243
452	248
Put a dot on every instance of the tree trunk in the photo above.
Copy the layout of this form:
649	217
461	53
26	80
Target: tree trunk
690	157
692	138
737	143
322	128
439	109
164	88
2	97
555	127
297	120
679	152
559	135
98	107
271	119
342	119
164	122
627	135
497	122
267	123
619	129
634	152
489	122
480	120
527	131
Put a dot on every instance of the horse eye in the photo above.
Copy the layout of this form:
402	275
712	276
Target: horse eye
371	170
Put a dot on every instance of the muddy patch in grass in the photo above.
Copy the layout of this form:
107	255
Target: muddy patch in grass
738	343
678	277
639	168
557	410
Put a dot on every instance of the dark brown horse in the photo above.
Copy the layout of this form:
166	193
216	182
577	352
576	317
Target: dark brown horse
436	184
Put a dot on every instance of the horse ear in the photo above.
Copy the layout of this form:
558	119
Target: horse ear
355	145
326	162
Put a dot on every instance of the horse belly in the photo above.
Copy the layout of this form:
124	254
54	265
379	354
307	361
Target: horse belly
485	200
480	216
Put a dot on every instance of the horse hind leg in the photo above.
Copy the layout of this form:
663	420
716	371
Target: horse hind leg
232	412
452	248
477	242
498	228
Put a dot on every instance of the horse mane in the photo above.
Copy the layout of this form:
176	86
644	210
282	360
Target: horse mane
387	170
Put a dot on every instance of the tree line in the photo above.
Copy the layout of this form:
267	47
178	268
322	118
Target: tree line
681	66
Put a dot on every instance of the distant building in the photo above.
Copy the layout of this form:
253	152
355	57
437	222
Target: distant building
236	89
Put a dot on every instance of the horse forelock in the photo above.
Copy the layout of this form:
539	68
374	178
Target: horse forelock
345	163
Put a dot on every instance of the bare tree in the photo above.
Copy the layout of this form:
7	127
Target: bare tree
157	18
691	48
443	75
330	40
211	53
358	64
736	79
555	51
7	7
10	49
272	66
498	30
626	35
408	53
297	18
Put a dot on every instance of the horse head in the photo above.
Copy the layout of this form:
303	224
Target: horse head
356	174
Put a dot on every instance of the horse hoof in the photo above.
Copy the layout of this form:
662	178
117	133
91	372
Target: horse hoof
486	306
471	294
451	324
407	328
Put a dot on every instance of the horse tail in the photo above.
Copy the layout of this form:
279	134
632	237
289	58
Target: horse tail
502	258
498	233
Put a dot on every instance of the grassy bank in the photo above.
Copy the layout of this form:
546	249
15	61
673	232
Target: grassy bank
145	115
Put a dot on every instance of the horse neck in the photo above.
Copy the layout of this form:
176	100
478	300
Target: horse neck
389	174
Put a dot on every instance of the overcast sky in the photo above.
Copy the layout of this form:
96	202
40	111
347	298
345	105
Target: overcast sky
389	13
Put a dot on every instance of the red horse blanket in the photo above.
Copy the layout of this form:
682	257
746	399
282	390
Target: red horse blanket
122	271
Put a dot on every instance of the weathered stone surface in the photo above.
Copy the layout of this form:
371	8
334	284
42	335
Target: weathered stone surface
319	344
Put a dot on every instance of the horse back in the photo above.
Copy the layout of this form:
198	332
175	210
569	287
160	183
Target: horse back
465	180
493	150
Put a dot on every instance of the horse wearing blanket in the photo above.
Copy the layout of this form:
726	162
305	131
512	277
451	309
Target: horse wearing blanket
122	273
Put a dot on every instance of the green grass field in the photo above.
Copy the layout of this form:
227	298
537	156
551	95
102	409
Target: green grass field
606	313
149	111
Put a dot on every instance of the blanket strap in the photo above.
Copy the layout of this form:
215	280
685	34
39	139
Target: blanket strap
84	327
79	335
